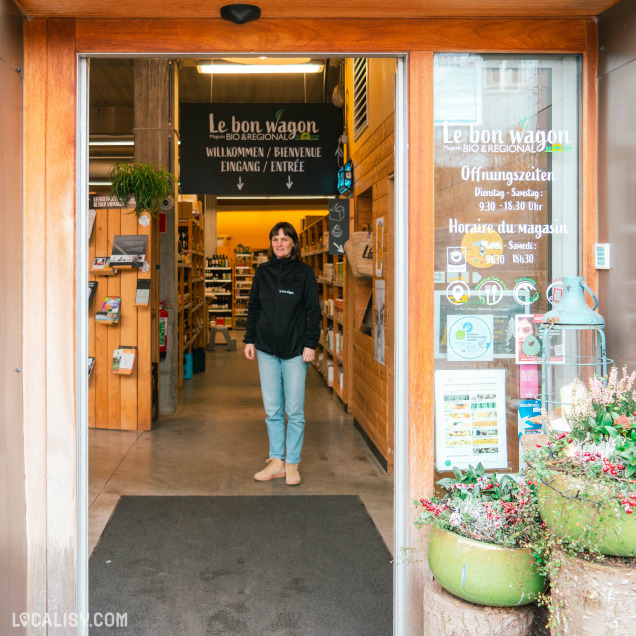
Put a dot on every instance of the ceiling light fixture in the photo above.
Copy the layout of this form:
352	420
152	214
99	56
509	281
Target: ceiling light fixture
261	59
128	142
279	197
229	69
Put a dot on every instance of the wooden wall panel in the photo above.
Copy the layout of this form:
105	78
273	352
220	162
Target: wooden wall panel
371	403
286	9
332	35
421	449
421	270
34	318
589	158
58	218
99	379
147	334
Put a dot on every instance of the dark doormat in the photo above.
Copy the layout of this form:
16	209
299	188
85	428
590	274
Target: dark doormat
290	565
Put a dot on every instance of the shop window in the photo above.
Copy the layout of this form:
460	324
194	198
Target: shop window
506	230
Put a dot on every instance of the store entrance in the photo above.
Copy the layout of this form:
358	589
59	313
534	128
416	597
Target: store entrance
206	436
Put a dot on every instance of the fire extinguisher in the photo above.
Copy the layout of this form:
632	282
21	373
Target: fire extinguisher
163	327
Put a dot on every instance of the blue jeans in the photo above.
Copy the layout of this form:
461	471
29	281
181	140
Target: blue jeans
283	388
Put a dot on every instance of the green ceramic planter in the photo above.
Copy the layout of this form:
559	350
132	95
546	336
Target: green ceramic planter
599	526
483	573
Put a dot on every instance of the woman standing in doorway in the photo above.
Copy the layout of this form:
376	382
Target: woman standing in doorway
283	324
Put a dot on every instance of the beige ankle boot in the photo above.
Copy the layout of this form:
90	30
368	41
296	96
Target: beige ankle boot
275	468
293	476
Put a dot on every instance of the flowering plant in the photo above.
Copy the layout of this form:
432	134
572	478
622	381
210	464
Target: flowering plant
600	449
603	420
494	509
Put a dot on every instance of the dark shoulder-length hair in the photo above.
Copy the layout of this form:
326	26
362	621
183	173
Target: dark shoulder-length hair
288	230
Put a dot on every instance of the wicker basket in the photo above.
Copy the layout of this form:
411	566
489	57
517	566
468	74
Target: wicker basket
359	251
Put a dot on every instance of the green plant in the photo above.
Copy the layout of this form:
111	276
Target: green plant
586	477
601	447
606	414
148	184
495	509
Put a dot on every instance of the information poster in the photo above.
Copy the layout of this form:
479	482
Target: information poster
470	338
527	340
529	421
470	418
379	347
379	247
502	316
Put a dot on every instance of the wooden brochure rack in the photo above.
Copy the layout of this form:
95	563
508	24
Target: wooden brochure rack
126	402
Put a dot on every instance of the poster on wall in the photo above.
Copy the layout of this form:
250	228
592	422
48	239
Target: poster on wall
470	418
476	304
259	149
527	339
470	338
379	321
379	246
529	422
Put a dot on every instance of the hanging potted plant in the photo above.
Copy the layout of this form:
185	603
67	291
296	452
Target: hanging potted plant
485	538
148	185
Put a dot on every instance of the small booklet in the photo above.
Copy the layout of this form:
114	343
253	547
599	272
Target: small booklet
124	360
101	262
142	297
92	288
129	250
109	313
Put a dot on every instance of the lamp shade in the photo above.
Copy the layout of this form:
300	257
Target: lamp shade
573	308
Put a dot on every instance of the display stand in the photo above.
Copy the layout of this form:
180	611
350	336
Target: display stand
331	353
193	331
116	401
218	292
243	277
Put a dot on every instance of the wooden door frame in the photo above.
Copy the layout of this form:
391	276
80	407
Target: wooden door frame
54	376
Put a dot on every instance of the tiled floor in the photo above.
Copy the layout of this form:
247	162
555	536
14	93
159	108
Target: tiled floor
217	440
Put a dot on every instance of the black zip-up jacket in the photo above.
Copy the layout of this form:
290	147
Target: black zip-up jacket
283	313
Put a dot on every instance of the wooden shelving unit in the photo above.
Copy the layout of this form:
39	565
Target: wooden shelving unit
243	277
329	269
218	291
191	308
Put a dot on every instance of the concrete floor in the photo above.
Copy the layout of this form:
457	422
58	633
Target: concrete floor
217	440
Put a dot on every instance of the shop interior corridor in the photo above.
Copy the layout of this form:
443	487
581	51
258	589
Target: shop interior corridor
217	440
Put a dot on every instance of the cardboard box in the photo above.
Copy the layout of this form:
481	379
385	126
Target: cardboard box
185	210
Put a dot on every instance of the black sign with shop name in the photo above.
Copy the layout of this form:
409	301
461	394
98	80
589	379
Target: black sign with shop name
259	149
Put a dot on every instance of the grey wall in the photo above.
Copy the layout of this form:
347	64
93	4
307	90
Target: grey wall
13	555
617	177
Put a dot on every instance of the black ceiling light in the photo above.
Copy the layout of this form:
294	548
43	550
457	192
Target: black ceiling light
240	13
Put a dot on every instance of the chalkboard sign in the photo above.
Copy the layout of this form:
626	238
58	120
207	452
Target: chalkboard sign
259	149
338	225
